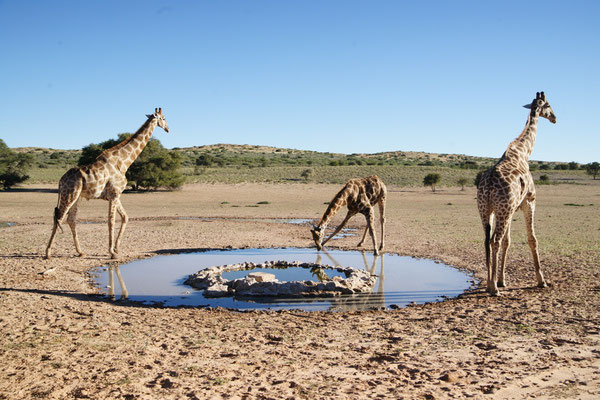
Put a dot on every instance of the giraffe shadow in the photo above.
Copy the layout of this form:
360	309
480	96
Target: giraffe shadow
94	297
30	190
482	292
188	250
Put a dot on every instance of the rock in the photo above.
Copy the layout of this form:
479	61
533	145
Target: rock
217	290
262	277
450	377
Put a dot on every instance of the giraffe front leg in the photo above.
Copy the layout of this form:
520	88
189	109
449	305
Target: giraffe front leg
529	211
124	220
72	221
339	228
111	223
363	237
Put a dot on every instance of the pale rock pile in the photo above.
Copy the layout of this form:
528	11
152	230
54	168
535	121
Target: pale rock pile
264	284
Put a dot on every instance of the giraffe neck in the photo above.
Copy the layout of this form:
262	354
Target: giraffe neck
338	201
128	150
522	146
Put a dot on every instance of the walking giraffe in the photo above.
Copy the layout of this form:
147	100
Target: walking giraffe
359	196
103	179
506	187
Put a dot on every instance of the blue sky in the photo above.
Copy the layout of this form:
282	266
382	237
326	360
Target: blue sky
339	76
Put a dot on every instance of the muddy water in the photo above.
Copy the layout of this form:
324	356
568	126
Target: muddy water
401	280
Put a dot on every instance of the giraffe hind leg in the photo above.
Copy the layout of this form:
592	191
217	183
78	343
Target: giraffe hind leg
382	220
370	225
59	213
503	253
124	220
72	222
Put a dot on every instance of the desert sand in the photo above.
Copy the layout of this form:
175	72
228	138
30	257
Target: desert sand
60	339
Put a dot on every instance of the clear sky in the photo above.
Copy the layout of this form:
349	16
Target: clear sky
340	76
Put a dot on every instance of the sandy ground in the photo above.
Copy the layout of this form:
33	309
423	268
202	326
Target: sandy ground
61	340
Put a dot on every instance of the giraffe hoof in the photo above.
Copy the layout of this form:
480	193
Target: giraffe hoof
81	255
501	284
376	253
542	285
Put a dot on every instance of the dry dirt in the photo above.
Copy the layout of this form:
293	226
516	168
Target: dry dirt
61	340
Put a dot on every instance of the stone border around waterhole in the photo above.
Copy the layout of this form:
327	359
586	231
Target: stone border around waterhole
266	285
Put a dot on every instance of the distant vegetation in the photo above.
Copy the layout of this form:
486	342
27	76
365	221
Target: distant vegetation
13	166
246	163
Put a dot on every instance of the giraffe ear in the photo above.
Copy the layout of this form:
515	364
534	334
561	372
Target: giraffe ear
149	116
528	106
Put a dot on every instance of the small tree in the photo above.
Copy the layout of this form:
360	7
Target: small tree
306	173
593	169
462	182
431	180
13	166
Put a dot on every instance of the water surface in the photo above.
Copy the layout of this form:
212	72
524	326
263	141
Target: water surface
401	280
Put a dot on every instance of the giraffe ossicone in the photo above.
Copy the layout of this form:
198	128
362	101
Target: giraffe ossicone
503	189
359	196
103	179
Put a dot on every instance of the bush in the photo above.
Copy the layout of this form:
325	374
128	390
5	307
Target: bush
13	166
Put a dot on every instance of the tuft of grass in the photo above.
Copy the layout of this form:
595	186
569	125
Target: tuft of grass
574	205
224	202
263	202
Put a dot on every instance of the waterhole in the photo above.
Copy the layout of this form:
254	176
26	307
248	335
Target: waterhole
400	280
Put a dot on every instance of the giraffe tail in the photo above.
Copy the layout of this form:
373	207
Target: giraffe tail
488	248
57	218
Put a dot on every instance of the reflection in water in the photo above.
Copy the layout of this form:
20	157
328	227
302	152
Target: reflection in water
111	283
362	301
160	279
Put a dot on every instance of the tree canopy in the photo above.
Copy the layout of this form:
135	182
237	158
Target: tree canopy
592	169
154	168
13	166
431	180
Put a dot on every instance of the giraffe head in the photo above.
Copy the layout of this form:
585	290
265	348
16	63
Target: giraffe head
540	107
317	234
160	119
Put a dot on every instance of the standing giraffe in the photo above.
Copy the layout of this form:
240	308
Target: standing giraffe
359	196
506	187
103	179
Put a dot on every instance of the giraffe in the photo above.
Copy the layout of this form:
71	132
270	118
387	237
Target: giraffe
103	179
506	187
359	196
